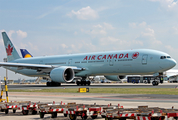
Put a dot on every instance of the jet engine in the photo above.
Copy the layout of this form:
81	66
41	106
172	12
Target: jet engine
115	77
62	74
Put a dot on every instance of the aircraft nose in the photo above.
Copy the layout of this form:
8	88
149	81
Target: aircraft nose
172	63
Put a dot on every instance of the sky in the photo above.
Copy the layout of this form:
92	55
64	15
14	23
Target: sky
56	27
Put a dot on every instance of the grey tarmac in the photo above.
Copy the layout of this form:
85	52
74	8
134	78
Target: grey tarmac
93	85
127	101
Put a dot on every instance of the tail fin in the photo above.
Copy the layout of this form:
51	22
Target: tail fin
9	48
25	53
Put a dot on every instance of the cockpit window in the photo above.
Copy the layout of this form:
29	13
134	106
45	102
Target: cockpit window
164	57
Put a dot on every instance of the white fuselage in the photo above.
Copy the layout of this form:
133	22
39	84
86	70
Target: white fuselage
124	62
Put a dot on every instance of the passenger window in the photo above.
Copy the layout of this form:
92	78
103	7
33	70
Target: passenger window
168	57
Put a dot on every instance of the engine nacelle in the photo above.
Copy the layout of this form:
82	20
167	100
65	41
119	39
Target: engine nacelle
114	77
62	74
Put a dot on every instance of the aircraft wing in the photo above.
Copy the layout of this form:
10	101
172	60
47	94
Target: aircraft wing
38	67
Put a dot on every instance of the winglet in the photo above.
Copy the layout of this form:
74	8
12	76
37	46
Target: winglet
25	53
9	48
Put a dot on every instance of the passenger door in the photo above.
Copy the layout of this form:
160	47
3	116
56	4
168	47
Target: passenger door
111	63
144	59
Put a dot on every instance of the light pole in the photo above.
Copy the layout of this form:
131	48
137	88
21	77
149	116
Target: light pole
5	60
0	84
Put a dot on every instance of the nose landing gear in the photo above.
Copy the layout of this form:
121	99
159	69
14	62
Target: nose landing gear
155	83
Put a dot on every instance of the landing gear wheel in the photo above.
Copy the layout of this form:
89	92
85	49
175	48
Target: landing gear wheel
157	83
88	83
53	84
78	83
83	83
58	84
72	116
153	83
48	84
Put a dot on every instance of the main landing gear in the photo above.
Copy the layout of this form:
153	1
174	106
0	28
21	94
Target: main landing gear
83	82
53	84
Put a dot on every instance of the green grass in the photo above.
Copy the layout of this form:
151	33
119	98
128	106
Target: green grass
166	91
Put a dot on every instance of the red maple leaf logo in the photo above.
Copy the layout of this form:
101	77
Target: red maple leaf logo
135	55
9	50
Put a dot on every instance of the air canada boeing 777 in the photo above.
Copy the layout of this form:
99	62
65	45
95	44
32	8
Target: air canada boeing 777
114	65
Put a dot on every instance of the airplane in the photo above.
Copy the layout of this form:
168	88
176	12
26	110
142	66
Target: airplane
171	75
114	65
25	53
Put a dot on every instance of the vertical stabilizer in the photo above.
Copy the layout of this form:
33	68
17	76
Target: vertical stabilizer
25	53
9	48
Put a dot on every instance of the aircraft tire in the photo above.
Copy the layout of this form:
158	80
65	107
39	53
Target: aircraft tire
78	83
88	83
157	83
154	83
53	84
84	83
48	84
58	84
